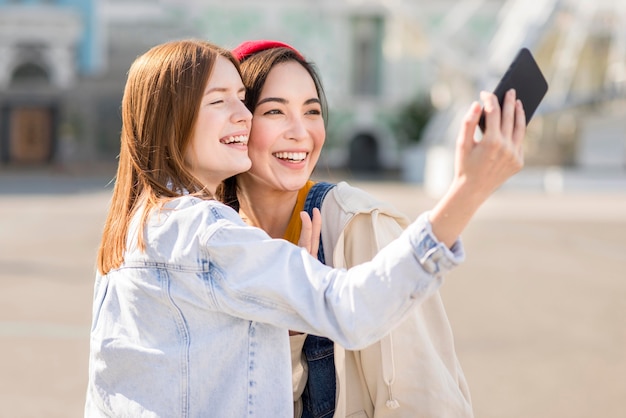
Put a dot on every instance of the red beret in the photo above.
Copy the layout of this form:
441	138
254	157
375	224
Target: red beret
247	48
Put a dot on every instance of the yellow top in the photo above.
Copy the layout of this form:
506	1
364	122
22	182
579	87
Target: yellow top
292	234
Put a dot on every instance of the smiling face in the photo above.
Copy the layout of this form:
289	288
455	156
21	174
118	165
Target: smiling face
218	147
287	132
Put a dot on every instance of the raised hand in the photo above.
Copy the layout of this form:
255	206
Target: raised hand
481	166
486	164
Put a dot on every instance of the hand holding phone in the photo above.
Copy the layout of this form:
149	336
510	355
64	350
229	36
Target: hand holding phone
525	76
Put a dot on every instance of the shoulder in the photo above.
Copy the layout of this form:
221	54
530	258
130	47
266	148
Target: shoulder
192	209
355	201
347	209
189	218
355	197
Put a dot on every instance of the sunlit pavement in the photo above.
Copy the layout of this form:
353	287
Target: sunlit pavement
537	309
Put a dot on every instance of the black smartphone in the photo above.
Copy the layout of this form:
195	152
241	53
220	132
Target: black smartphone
525	76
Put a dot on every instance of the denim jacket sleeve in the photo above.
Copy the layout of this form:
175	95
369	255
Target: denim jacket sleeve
261	279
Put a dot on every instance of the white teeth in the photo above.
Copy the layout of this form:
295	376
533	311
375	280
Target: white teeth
239	139
291	156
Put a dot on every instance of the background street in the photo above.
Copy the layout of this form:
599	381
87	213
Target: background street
538	309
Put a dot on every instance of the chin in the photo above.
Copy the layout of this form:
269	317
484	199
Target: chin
294	186
245	165
239	168
243	169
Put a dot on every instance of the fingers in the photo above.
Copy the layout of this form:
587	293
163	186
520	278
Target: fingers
492	112
520	124
506	124
316	231
508	113
310	232
306	232
470	121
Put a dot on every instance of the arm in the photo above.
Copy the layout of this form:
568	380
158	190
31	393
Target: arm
272	281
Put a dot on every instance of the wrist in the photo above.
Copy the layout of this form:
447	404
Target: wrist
453	212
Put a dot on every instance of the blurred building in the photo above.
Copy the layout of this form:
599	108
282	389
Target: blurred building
64	63
375	57
45	47
62	73
581	47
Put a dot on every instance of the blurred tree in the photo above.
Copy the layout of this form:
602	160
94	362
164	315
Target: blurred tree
411	119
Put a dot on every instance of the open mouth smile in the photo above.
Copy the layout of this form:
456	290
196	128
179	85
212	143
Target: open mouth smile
235	139
294	157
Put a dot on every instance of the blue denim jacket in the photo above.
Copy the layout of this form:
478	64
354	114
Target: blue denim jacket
196	325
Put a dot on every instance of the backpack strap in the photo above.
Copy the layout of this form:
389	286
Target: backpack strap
314	199
319	396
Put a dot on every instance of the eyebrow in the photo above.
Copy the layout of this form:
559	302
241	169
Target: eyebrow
222	90
284	101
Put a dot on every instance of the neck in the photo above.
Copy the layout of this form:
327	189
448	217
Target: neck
265	208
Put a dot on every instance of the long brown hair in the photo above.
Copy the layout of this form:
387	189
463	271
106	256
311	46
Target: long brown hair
255	69
159	109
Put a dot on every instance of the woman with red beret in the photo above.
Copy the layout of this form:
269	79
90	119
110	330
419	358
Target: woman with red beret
413	371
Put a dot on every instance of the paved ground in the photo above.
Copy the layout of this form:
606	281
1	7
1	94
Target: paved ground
538	309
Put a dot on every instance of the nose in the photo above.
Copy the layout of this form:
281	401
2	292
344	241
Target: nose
241	113
297	129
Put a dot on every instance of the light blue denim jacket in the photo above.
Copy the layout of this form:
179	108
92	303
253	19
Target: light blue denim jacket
196	326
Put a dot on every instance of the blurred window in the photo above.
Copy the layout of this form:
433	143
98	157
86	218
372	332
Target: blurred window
30	74
367	55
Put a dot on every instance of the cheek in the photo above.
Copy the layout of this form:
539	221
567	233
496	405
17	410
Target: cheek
261	138
207	127
319	137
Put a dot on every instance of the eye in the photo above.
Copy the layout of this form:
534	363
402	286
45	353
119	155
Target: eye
273	112
316	112
215	102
